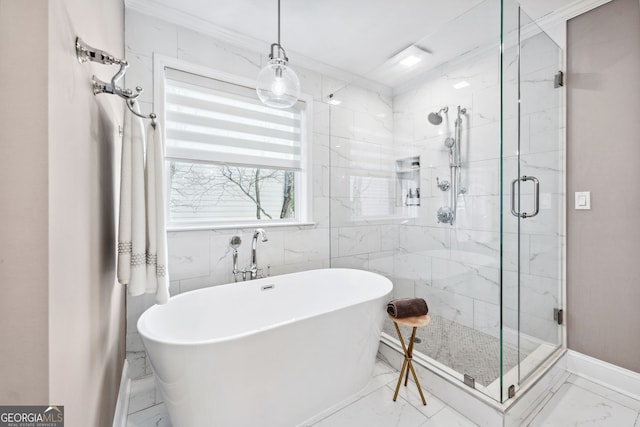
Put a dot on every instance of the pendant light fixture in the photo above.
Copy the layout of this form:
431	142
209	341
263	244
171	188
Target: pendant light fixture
278	85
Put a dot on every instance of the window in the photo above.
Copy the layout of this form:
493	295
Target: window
230	159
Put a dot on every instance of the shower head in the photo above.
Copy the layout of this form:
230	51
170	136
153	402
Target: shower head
436	118
449	142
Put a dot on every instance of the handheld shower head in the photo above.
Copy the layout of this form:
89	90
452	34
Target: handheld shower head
436	118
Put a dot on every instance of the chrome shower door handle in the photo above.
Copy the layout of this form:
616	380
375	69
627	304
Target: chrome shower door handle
536	196
514	212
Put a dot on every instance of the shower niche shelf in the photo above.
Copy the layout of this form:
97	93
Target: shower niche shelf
408	181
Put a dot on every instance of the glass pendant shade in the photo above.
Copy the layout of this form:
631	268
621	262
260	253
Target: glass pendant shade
278	85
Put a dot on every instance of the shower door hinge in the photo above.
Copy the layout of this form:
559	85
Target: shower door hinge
558	79
511	391
470	381
558	315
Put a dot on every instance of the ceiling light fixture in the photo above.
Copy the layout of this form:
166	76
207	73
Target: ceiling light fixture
333	101
278	85
461	84
410	61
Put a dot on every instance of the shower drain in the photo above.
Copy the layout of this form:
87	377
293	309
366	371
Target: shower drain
417	340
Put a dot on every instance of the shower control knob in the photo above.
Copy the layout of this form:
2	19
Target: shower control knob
445	215
442	185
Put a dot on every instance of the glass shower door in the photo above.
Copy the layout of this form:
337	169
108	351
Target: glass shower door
533	209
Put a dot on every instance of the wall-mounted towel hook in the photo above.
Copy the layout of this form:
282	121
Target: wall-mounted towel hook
85	53
151	116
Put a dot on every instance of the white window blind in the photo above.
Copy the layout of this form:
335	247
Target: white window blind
212	120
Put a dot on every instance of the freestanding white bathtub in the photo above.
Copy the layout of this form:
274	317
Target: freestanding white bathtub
271	352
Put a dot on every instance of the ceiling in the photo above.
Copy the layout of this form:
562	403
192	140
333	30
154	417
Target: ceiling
360	36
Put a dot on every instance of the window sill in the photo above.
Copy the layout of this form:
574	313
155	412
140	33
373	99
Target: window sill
240	226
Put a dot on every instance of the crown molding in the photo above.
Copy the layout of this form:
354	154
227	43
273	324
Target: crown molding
243	41
569	11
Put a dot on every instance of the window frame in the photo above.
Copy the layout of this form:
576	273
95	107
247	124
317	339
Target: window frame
303	190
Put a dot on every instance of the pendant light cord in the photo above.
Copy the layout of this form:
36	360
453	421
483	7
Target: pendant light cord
278	22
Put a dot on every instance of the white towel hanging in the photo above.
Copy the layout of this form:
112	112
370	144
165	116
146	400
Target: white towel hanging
142	237
157	274
132	258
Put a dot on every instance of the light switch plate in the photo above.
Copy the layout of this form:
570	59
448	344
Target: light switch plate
583	200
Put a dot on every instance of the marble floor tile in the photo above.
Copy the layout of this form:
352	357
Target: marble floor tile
155	416
605	392
448	418
376	410
143	394
411	395
575	406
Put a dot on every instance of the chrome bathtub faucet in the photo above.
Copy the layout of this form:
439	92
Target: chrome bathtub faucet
253	268
253	271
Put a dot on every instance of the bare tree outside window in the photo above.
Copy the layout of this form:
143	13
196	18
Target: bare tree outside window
214	192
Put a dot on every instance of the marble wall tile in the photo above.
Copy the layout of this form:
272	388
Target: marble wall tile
358	240
412	266
481	178
134	342
321	211
310	82
320	180
203	50
389	237
333	86
306	245
479	283
376	128
321	117
300	266
403	288
320	149
135	307
360	261
382	263
423	239
486	317
140	73
479	213
189	254
342	121
196	283
455	307
545	131
484	142
137	364
545	256
145	34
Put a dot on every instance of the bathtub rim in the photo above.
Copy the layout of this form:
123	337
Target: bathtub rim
146	336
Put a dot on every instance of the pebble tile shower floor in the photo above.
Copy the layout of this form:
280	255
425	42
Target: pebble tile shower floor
464	349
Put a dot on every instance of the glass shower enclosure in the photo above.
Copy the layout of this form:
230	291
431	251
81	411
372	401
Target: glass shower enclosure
449	180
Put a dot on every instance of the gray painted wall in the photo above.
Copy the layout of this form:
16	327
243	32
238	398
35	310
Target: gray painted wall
62	322
603	131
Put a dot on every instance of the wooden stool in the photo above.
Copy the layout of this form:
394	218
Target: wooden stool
414	322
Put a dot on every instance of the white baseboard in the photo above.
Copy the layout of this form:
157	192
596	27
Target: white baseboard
122	404
604	373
